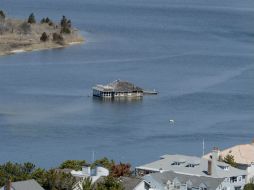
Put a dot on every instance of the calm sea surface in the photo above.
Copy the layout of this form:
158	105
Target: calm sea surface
198	54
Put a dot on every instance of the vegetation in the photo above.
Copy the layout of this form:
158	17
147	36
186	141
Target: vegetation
2	15
73	164
229	159
116	170
55	179
31	19
109	183
58	38
249	186
104	162
25	28
47	20
65	25
121	169
44	37
87	184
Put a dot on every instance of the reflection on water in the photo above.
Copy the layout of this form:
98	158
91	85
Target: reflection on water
119	100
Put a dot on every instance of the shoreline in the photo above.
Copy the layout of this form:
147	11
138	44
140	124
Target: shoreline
41	46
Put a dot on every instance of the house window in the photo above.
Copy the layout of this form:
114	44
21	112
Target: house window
233	179
240	178
177	186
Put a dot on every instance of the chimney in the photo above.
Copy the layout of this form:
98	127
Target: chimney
215	154
8	184
212	164
209	169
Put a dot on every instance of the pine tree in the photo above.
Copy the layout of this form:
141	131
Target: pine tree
229	159
31	19
2	15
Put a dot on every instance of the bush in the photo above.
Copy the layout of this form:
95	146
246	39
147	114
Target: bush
44	37
25	28
2	15
249	186
58	38
31	19
109	183
65	30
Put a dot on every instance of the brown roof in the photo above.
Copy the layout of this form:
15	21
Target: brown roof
243	154
124	86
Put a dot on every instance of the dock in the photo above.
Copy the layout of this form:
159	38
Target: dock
150	92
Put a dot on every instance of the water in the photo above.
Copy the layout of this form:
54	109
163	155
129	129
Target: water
197	54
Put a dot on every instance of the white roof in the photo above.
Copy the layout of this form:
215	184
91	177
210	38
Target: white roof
166	163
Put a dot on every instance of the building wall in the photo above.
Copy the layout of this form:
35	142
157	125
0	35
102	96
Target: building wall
250	171
140	186
228	184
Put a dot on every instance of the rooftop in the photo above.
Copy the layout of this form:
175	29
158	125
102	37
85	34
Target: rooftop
163	178
129	183
191	165
25	185
118	86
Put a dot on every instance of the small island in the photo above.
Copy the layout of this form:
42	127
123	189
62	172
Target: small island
30	35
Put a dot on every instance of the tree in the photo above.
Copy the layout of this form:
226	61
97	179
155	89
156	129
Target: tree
65	25
2	15
87	184
229	159
72	164
109	183
47	20
51	178
105	162
40	175
28	167
65	181
121	169
44	37
43	20
31	19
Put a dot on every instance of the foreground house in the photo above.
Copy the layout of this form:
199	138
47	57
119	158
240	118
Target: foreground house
234	178
117	89
171	180
22	185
